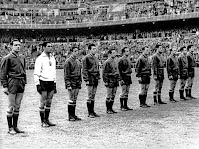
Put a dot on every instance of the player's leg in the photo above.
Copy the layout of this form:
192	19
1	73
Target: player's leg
155	92
43	99
113	93
71	105
126	98
89	103
181	90
122	97
146	88
94	90
18	99
75	101
142	95
10	111
187	88
48	107
108	102
171	90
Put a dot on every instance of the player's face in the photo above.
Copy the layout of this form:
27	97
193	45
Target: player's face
49	48
75	52
16	46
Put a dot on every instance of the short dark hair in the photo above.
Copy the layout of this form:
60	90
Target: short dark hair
181	49
11	43
123	49
44	44
189	47
90	46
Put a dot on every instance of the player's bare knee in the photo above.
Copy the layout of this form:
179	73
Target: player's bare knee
10	110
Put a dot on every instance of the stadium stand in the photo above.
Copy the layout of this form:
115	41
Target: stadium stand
34	13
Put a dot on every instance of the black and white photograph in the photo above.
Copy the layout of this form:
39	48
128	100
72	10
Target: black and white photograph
99	74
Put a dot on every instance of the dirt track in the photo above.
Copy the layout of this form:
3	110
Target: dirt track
171	126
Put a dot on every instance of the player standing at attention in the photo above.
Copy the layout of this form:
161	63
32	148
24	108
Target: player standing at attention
172	71
91	76
45	81
158	74
143	72
73	81
124	66
13	80
191	71
183	71
111	79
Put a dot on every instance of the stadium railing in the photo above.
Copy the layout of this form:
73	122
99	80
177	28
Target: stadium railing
102	23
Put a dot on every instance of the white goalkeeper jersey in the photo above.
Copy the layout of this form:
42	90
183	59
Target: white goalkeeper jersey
45	68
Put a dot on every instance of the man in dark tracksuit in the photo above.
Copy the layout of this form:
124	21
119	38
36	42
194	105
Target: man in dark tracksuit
183	71
172	71
13	80
158	74
111	79
91	76
73	80
143	72
191	71
124	66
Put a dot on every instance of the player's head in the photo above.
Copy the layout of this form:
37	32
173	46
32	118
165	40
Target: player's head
190	48
92	48
15	45
112	52
74	51
125	51
183	50
146	50
47	47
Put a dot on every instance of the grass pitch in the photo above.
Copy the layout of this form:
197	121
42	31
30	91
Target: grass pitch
171	126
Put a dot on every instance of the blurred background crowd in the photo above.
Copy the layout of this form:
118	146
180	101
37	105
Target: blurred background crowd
82	11
87	11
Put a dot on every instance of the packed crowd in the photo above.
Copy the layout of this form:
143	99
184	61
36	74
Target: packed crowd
39	1
97	13
166	38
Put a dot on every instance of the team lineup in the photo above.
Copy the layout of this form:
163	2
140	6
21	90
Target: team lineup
114	73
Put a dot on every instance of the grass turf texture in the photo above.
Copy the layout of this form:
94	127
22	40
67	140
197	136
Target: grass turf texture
175	125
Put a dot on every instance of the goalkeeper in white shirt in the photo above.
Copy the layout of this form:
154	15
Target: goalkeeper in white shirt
45	81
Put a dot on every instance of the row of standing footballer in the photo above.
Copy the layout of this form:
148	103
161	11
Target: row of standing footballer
13	79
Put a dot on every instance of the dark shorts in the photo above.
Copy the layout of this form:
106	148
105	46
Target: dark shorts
76	83
47	85
145	80
16	85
